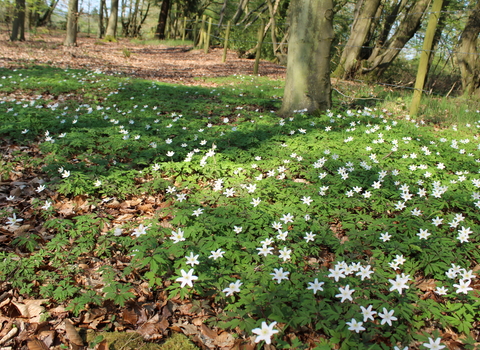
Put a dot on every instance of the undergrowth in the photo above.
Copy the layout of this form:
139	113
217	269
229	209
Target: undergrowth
358	225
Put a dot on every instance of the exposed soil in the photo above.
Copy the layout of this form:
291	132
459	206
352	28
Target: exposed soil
180	64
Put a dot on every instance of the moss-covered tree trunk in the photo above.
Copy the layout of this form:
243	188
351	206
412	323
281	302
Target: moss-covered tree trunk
348	63
468	56
112	20
307	85
425	55
18	28
72	16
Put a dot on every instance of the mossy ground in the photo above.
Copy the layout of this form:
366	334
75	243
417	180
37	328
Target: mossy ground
134	341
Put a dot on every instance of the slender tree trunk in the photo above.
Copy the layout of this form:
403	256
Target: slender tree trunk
112	20
242	4
72	16
442	22
272	9
360	30
307	85
468	56
143	17
18	28
222	15
162	20
425	55
100	19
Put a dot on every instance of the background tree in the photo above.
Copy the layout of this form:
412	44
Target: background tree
101	29
384	29
133	16
383	55
468	55
162	20
18	28
72	19
112	20
39	13
363	18
307	84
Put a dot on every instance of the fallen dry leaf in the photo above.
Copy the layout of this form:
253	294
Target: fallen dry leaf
72	333
224	340
36	344
31	309
103	345
150	331
208	332
426	285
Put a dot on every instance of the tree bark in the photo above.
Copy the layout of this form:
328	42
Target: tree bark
242	4
18	27
100	20
45	19
307	85
272	9
222	15
468	56
162	20
379	61
360	30
112	20
425	55
72	16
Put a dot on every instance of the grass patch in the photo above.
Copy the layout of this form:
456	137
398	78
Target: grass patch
167	42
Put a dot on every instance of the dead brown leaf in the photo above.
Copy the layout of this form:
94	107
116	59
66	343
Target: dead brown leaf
36	344
129	316
150	331
47	337
208	332
103	345
72	333
31	309
224	341
426	285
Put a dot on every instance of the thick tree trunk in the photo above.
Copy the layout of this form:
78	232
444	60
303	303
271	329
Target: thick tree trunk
162	20
468	56
72	16
379	61
307	85
360	30
18	28
112	20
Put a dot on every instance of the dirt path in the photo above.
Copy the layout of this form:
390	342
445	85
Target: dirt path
178	64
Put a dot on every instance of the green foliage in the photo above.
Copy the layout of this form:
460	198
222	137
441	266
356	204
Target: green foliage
347	191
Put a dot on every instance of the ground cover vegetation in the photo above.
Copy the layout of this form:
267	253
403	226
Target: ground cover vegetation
134	204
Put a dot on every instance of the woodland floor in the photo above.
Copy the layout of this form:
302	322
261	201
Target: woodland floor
178	64
151	315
